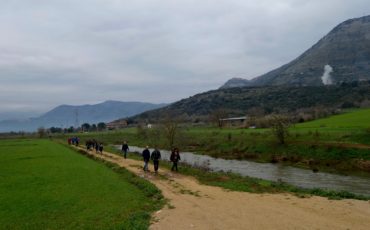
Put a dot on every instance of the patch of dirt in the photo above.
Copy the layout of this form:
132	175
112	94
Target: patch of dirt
223	178
364	165
200	206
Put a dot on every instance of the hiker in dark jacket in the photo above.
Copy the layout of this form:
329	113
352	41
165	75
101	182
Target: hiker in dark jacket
175	157
146	158
96	147
125	148
101	147
89	144
156	155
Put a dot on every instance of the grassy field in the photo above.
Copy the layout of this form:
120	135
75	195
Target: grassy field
353	126
334	144
45	185
334	128
348	121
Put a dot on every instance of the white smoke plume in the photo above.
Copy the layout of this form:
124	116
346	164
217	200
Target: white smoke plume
326	77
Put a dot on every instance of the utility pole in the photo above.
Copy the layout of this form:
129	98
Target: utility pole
77	124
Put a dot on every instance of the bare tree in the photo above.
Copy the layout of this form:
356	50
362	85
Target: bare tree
254	114
41	131
170	126
279	126
154	135
141	131
216	116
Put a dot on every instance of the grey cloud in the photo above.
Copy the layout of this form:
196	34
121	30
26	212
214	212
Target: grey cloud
156	51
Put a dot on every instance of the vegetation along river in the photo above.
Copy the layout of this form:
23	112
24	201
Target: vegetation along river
274	172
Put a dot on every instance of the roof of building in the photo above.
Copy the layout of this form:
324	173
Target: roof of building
234	118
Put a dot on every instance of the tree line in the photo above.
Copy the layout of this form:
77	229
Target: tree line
85	127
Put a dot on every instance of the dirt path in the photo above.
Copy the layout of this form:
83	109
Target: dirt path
196	206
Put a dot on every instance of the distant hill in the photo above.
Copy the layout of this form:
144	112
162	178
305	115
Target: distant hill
343	55
66	115
236	82
237	101
17	115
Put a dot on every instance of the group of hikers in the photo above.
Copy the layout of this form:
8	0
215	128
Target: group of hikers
94	144
155	156
73	141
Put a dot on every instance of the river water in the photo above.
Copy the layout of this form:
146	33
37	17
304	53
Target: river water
274	172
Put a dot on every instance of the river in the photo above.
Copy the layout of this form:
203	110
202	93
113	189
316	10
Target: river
303	178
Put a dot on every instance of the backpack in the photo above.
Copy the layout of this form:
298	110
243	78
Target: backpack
156	155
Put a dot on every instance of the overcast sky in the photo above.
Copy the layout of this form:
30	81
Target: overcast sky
56	52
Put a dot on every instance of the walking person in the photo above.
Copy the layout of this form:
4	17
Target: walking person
146	158
156	155
96	147
125	148
175	157
77	141
101	147
73	140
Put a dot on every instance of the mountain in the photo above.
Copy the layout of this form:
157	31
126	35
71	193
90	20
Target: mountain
69	115
18	115
269	99
236	82
343	55
334	73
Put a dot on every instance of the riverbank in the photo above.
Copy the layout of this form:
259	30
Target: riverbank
201	206
243	176
341	151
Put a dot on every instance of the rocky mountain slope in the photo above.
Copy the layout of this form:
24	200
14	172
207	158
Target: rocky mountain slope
280	99
343	55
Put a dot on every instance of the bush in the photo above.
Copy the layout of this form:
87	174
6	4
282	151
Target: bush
279	126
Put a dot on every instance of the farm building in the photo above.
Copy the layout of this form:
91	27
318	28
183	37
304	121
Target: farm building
119	124
233	121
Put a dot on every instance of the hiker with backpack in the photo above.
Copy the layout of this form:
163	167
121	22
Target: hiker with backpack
175	157
146	158
125	148
96	147
156	155
101	147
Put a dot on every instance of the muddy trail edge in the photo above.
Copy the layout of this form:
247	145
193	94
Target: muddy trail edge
196	206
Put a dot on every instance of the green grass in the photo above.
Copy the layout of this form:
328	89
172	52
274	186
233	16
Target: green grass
235	182
351	120
328	143
258	145
44	185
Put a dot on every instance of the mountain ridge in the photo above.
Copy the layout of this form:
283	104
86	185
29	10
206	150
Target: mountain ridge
239	101
68	115
346	49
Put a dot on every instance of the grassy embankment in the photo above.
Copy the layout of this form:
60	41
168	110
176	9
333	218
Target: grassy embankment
45	185
334	144
235	182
